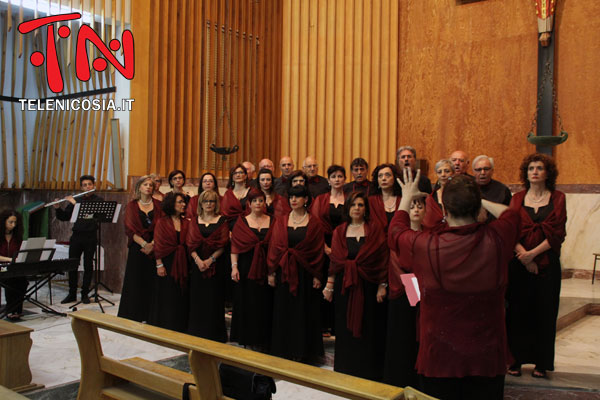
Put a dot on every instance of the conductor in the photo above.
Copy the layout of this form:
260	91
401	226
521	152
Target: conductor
83	240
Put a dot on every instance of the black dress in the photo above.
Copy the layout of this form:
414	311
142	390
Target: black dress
362	357
401	344
533	306
328	308
296	319
138	283
207	300
170	304
252	304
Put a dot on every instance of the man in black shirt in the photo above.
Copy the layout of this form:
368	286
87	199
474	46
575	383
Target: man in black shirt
491	189
360	170
316	184
83	240
406	157
286	164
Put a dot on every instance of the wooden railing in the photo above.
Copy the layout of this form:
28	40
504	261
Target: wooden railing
136	378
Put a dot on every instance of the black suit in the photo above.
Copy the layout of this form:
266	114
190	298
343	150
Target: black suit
83	240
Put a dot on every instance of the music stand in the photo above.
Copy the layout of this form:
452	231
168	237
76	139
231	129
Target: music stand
101	212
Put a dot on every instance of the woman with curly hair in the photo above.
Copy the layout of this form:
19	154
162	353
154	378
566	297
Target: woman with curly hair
385	193
535	273
234	200
10	243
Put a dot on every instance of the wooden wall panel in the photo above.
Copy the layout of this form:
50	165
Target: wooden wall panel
338	63
468	79
219	85
578	88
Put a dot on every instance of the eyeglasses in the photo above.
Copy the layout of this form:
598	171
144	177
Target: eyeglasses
209	201
311	166
239	173
486	169
176	178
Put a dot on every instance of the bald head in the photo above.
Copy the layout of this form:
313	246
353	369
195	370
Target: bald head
287	165
460	161
250	168
310	167
266	163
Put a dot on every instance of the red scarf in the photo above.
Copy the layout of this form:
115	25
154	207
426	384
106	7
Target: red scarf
133	224
243	239
434	216
231	207
280	204
552	228
370	264
165	243
206	246
320	210
308	253
377	209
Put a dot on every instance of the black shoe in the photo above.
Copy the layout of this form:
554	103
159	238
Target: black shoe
69	299
85	299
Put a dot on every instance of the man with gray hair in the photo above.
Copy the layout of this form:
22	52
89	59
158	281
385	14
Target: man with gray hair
406	157
491	189
250	169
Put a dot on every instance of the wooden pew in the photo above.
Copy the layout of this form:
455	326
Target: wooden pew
15	345
136	378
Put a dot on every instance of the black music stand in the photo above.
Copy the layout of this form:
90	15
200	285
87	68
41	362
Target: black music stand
101	212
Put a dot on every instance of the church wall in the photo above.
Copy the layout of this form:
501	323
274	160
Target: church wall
468	80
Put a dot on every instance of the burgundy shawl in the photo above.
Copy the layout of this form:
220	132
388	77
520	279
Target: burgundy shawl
165	243
377	209
206	246
133	224
434	216
231	207
243	239
9	249
552	228
280	204
370	264
307	254
320	210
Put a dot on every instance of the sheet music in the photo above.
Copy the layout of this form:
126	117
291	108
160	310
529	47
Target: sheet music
49	244
116	215
21	256
75	213
412	288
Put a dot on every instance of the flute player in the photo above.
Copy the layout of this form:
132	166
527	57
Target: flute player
83	240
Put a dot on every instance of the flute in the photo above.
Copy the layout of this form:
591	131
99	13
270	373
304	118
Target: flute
74	196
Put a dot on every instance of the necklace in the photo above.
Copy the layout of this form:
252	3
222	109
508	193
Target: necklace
297	222
145	204
357	225
386	202
538	199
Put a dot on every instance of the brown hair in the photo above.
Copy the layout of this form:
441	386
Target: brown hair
357	194
549	166
461	197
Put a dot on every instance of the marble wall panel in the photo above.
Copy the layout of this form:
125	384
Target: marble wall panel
583	230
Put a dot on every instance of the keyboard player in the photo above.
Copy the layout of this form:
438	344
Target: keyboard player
10	243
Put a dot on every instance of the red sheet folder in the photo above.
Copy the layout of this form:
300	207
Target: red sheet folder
412	288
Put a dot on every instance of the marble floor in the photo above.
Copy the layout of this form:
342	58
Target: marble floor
54	357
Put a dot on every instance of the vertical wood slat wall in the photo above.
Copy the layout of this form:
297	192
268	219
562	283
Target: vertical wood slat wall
340	77
59	145
214	67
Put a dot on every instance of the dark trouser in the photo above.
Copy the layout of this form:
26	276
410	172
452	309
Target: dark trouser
15	292
467	388
87	246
